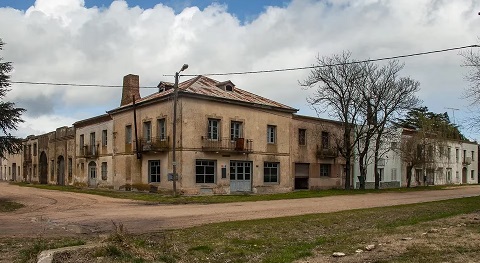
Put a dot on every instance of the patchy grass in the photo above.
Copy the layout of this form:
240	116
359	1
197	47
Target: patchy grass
8	206
168	199
36	245
319	235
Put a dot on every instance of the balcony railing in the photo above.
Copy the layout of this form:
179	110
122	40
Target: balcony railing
237	145
155	144
90	151
326	153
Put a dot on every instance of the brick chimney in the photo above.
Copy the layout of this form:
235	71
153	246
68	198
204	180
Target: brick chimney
131	87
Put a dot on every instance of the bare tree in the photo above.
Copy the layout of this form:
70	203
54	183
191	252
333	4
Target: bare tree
337	79
471	61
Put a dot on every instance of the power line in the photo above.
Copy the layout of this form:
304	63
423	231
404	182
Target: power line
332	65
73	84
252	72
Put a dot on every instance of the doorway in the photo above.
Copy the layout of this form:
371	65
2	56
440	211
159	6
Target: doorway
240	176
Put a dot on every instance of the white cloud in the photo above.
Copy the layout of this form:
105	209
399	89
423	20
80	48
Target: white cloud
62	41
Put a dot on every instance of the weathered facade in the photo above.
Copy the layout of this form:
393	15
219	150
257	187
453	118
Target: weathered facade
61	155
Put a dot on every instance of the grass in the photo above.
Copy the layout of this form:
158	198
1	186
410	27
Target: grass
8	206
30	253
292	238
168	199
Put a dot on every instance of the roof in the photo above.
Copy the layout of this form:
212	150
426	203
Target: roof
205	86
92	120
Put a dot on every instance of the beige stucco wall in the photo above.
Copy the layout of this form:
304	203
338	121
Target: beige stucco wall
61	144
307	154
12	161
105	154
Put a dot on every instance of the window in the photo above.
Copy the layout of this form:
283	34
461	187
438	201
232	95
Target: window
456	155
81	143
213	129
34	170
29	150
205	172
380	174
394	174
147	131
104	170
228	88
92	139
270	172
325	140
70	164
430	152
128	134
324	169
35	150
464	155
271	134
472	174
161	129
449	153
302	137
154	171
235	130
104	138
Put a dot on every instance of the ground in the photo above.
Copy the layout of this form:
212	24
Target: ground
54	215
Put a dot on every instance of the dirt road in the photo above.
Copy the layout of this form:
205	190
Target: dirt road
50	212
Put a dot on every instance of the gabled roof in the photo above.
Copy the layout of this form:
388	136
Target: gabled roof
207	88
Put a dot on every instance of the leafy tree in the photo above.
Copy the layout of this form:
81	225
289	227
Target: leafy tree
10	116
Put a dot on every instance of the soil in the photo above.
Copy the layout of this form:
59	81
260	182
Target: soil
50	213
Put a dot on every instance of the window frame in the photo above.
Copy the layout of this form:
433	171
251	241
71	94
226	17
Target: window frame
158	173
104	171
213	131
162	129
270	167
205	164
128	134
104	137
147	131
325	167
271	134
302	137
325	140
236	128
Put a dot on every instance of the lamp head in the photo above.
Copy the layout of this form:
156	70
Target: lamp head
184	67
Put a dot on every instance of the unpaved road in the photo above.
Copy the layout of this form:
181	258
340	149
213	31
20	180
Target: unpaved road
51	213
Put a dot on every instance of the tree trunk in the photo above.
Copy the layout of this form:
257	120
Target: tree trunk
348	154
409	175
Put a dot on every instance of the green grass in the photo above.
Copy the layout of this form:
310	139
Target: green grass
8	206
291	238
182	199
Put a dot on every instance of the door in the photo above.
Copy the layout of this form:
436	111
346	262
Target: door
14	172
43	168
92	174
61	170
464	175
301	175
240	176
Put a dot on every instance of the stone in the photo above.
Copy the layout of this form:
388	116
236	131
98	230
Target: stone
370	247
338	254
409	238
433	230
358	251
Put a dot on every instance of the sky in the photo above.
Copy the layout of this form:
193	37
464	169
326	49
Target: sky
99	41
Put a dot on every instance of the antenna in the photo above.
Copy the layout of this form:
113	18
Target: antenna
453	113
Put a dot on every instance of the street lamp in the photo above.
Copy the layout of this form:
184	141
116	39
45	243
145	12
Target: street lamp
175	97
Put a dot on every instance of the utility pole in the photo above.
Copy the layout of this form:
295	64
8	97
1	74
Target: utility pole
174	145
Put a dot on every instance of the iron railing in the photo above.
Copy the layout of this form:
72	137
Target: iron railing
240	145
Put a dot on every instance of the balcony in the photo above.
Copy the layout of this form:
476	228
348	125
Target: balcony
90	151
155	144
327	153
227	145
467	161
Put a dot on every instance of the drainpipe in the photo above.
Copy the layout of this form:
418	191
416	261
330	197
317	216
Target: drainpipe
139	154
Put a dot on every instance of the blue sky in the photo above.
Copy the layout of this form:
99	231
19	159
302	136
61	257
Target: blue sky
245	10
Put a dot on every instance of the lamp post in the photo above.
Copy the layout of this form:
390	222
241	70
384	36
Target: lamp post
174	146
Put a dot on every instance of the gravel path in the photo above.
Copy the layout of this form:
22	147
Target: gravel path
52	213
